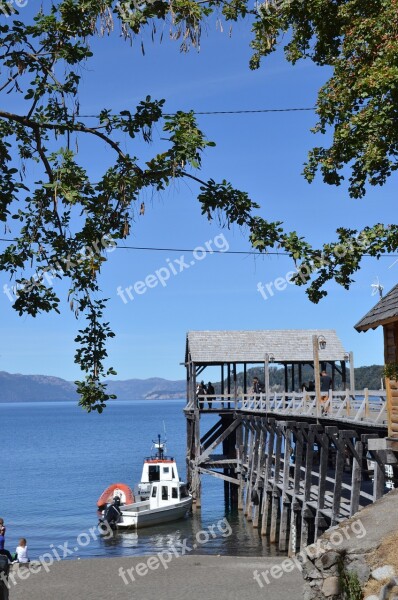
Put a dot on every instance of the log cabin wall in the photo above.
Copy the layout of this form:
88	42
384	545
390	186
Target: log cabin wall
391	343
391	356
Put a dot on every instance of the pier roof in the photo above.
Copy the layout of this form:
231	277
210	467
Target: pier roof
385	311
286	346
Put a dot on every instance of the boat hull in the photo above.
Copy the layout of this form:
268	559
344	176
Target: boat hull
140	515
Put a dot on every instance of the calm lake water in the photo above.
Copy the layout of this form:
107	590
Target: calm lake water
57	460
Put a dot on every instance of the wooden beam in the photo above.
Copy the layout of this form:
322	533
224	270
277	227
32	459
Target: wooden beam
275	491
235	385
309	459
218	475
252	460
356	478
267	489
323	440
285	505
211	431
260	465
198	486
202	457
352	374
339	442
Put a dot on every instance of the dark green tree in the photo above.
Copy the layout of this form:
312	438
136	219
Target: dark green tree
63	223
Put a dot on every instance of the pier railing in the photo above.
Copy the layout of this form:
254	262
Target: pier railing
366	406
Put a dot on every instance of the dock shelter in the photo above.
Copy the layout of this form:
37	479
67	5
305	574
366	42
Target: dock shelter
291	348
385	314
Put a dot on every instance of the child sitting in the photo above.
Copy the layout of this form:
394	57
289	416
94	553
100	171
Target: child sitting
22	551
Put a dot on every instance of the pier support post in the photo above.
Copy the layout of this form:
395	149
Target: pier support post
260	466
275	507
252	463
286	503
197	488
320	523
267	489
356	478
306	513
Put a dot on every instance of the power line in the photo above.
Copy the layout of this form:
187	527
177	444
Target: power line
195	249
242	112
219	112
211	251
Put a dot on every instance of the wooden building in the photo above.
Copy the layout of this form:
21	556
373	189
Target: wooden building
294	471
233	350
385	313
291	348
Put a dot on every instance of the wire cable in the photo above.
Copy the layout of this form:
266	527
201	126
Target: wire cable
219	112
212	251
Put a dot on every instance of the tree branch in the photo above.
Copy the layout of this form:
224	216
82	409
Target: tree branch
35	125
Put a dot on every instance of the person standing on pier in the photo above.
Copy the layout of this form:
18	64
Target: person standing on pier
200	394
258	388
210	394
326	384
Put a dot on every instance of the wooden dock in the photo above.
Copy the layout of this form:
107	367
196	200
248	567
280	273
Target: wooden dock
293	462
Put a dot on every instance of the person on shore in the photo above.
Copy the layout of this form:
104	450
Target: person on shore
2	528
210	394
326	384
3	551
22	552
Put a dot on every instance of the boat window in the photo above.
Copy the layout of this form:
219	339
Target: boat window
154	491
165	495
172	473
174	492
166	470
184	491
153	473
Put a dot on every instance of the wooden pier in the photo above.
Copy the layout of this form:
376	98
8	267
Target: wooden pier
293	462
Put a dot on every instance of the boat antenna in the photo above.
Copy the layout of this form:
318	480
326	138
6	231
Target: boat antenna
165	434
160	446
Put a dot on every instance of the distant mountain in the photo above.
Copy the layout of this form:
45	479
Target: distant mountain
365	377
147	389
36	388
32	388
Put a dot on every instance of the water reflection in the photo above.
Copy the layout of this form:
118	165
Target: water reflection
229	535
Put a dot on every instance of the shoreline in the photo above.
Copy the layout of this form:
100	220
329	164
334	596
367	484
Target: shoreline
195	577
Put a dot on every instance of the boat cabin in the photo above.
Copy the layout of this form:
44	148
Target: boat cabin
165	493
156	470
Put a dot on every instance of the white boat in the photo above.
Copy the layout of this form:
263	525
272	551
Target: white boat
168	501
155	468
162	496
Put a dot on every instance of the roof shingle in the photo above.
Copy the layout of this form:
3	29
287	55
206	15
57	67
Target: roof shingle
384	311
286	345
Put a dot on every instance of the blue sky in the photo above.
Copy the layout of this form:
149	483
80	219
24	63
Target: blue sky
260	153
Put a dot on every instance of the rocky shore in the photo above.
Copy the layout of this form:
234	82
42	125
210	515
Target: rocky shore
357	558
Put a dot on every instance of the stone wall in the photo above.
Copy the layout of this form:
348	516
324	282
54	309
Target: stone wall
357	558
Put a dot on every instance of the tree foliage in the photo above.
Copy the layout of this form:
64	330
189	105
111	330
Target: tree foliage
63	224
